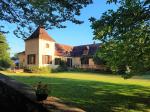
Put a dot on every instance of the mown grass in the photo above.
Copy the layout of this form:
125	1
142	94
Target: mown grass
95	92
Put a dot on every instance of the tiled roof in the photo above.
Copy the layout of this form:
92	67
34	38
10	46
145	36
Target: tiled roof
90	49
23	52
40	33
65	50
76	51
62	50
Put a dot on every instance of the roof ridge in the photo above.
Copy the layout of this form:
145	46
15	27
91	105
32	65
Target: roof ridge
87	44
65	44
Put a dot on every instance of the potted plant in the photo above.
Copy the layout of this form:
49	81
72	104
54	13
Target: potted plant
41	91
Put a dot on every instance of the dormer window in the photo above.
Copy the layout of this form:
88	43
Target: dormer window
47	45
67	53
86	50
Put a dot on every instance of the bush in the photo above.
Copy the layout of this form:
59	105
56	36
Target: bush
121	69
5	63
1	68
36	69
61	68
107	71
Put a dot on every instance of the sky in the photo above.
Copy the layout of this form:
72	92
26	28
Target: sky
72	35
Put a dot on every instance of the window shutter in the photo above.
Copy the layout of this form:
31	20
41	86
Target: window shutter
43	59
31	59
28	59
34	58
46	59
50	59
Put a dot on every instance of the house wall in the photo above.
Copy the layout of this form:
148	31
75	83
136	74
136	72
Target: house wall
76	61
38	47
21	57
32	47
91	65
46	51
91	62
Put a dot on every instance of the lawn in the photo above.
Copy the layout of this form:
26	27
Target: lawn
95	92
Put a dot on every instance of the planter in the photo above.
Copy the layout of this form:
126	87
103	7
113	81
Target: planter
41	97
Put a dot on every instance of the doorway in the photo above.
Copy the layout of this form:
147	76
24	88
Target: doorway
69	62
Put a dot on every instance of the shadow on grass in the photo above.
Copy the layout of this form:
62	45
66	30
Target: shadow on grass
95	96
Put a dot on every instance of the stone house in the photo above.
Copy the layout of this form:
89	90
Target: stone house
42	50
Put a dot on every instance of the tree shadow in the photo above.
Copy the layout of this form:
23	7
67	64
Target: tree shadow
95	96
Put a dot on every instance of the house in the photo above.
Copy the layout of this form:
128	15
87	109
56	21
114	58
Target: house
42	50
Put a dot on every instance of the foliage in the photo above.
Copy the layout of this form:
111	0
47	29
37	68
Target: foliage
28	14
116	1
62	67
41	88
36	69
82	70
97	59
5	61
125	34
16	56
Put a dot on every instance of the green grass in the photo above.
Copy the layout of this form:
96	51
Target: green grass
95	92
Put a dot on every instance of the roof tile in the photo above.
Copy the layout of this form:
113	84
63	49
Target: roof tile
40	33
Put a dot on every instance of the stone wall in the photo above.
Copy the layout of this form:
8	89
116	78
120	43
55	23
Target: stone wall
11	100
18	97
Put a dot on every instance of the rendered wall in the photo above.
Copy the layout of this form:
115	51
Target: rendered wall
46	51
31	47
22	59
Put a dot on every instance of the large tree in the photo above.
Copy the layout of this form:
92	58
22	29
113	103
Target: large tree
28	14
5	60
125	36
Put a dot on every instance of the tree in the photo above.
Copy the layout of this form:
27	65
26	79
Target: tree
28	14
98	60
125	35
5	60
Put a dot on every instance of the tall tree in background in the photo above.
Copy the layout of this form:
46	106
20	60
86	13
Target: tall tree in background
28	14
5	60
125	36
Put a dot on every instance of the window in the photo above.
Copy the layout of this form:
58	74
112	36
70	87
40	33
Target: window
31	59
84	60
69	62
47	59
57	61
47	45
86	50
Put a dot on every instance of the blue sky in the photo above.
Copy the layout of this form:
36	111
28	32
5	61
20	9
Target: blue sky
72	35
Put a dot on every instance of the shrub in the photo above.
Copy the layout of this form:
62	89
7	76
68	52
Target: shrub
122	69
41	88
1	68
36	69
62	67
107	71
41	91
5	63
